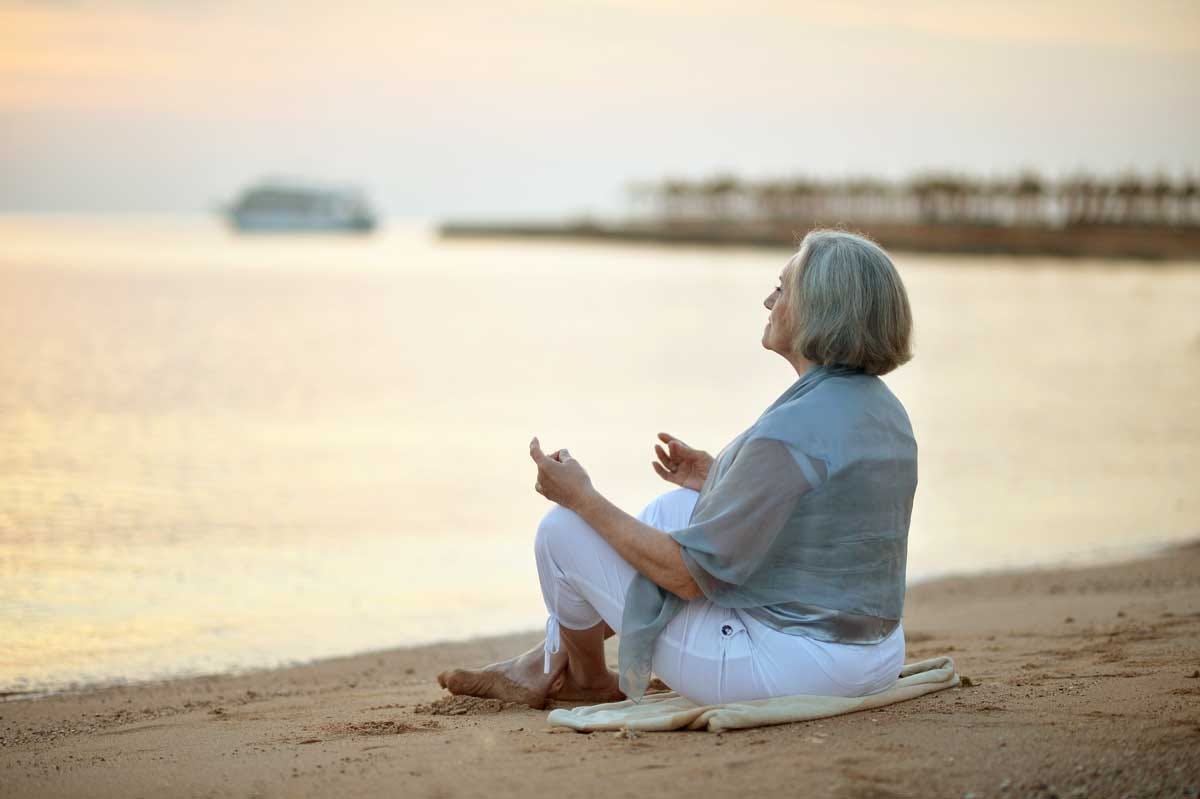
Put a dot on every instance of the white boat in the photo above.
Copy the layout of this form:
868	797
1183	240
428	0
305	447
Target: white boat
278	206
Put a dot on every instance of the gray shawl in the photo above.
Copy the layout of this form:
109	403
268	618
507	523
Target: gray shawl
802	522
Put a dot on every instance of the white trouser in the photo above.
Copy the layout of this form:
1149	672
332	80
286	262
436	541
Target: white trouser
708	653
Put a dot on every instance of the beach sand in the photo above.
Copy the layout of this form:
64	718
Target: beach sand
1082	682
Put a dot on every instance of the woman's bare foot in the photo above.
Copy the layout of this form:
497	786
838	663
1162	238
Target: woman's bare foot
569	689
577	673
518	679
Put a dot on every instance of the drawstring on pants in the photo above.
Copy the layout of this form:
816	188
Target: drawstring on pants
552	642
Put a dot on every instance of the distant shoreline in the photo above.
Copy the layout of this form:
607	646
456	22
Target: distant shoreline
1139	242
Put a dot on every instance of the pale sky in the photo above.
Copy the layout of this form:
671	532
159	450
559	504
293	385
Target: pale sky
525	107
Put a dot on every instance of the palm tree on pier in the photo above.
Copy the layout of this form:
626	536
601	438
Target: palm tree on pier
674	195
1188	193
1029	191
771	200
719	192
804	198
1129	191
1160	192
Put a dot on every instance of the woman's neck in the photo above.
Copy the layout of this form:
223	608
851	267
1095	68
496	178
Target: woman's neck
799	363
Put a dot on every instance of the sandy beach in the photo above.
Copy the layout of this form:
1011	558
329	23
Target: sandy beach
286	290
1082	682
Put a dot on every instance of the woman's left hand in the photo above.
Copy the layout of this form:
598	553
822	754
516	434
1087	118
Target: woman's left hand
560	477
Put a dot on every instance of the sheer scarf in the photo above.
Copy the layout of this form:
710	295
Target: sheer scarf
802	522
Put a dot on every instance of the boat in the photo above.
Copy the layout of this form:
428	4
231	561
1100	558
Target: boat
275	206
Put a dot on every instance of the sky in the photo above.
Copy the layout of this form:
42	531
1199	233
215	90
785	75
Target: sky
511	108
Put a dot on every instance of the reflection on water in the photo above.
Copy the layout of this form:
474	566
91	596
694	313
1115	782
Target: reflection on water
226	452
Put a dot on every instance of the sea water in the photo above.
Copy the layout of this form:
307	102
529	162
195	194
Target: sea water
223	452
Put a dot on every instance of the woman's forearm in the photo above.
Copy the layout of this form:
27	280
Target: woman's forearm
650	551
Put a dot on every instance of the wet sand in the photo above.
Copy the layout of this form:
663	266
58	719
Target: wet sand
1082	682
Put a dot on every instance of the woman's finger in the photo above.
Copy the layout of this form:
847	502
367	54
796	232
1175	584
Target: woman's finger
667	438
535	452
663	473
662	455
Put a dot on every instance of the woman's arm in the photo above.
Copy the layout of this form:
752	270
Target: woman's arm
644	547
563	480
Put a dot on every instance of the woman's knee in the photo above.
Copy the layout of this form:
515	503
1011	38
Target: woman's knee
670	510
559	525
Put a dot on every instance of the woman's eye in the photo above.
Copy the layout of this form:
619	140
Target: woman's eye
779	288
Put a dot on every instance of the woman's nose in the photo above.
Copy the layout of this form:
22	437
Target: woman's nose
769	302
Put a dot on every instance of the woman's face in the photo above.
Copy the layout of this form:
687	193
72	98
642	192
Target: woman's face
777	335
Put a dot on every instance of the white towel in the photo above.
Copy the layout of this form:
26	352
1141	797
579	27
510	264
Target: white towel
671	711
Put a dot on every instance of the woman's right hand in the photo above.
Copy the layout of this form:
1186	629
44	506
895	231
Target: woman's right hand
680	464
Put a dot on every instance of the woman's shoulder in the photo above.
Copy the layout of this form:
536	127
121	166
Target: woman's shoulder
852	401
845	391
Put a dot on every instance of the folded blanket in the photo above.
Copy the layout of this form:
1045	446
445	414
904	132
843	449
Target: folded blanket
671	711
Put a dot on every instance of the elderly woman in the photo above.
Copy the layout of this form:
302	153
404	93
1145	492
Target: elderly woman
781	570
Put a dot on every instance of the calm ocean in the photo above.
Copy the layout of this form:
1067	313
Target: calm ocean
225	452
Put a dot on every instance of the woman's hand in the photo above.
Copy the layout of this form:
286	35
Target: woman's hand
681	464
560	477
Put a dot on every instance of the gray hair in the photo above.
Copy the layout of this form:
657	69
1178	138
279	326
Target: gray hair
849	305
